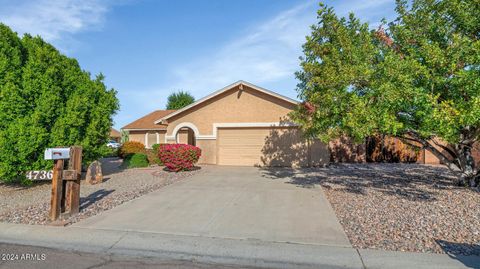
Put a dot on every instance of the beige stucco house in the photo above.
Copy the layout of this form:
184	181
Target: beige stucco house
241	124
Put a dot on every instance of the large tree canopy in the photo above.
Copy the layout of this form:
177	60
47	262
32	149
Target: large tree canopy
46	100
179	100
416	78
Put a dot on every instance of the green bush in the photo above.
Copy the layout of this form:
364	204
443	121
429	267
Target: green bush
47	100
152	155
109	152
153	158
155	147
136	160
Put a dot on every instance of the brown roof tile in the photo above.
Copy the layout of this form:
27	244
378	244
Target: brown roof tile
147	121
115	133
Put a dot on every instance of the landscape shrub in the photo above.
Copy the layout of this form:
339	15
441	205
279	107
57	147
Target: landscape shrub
47	100
152	156
109	152
179	157
131	147
136	160
155	147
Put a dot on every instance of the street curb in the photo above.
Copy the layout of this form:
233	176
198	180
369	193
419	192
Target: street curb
175	247
241	252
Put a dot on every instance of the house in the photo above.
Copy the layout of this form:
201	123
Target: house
146	131
240	124
115	135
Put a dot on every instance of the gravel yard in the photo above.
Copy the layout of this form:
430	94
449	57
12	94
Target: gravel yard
405	207
30	205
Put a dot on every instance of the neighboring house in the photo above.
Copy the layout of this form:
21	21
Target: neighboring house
241	124
115	135
146	131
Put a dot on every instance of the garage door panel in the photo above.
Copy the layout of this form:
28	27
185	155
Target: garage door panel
262	147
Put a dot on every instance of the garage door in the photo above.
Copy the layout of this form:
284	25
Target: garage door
262	147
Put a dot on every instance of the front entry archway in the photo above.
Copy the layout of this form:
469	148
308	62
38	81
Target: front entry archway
186	133
186	136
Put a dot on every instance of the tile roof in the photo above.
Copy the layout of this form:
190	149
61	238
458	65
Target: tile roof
115	133
148	121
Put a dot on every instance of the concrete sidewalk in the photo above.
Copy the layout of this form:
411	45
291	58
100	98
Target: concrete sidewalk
238	252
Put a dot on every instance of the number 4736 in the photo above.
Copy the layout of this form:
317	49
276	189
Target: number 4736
39	175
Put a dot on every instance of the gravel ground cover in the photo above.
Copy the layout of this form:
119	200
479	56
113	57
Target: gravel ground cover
30	205
403	207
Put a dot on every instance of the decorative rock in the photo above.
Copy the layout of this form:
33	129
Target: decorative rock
28	206
403	207
94	173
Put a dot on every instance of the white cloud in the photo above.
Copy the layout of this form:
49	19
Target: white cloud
267	52
54	20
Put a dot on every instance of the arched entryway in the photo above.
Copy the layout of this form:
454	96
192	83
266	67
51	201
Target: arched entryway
186	136
186	133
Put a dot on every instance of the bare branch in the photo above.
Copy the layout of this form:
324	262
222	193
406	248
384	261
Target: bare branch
454	155
408	141
413	136
453	166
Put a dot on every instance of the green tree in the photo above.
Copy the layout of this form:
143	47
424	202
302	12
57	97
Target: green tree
416	78
46	100
179	100
125	136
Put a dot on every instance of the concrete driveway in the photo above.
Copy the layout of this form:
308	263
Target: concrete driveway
230	202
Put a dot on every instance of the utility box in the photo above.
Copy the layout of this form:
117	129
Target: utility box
57	153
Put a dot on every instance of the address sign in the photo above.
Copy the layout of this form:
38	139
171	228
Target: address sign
40	175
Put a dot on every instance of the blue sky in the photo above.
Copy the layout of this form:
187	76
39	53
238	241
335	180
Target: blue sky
150	48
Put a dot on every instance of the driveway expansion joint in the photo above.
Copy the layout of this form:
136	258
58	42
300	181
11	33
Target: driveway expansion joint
361	258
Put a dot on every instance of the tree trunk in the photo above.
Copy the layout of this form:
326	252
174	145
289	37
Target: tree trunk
458	159
470	175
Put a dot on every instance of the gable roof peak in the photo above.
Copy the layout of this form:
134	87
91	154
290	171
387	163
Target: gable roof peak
224	89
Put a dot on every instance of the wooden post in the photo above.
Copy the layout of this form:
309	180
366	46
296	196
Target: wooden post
73	186
56	200
64	194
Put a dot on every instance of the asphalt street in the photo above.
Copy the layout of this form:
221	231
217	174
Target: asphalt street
25	257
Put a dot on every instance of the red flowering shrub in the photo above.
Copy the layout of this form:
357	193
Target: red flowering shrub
179	157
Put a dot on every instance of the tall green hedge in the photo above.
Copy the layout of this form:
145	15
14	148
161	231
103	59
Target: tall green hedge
47	100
